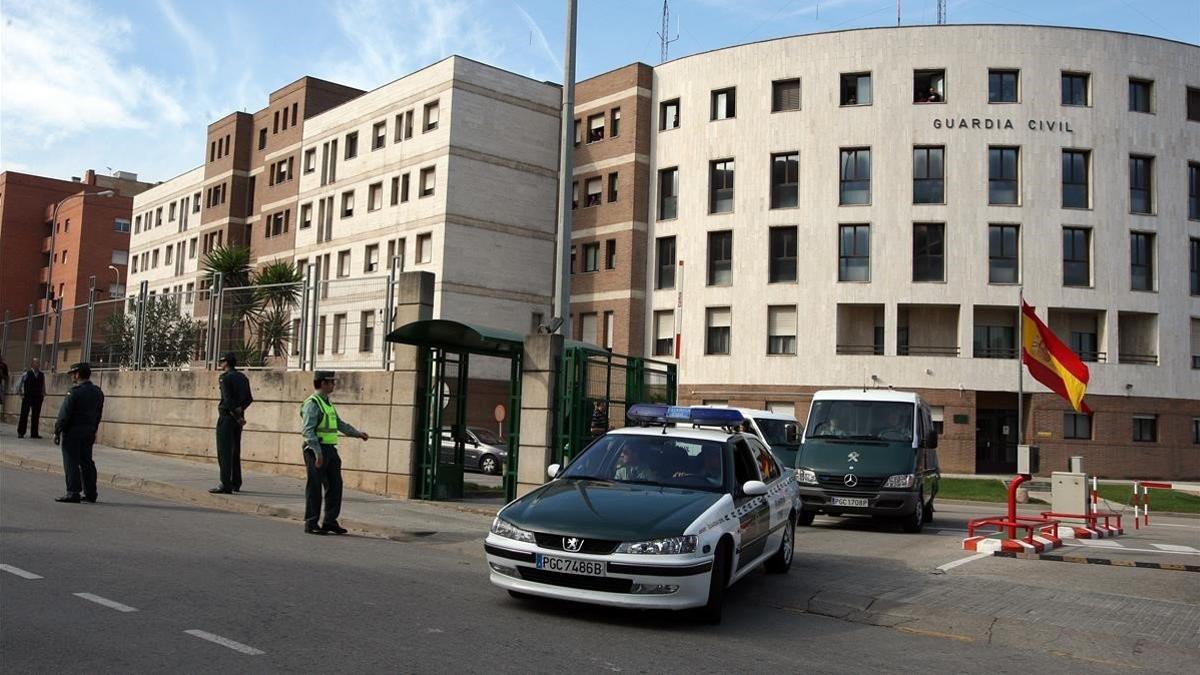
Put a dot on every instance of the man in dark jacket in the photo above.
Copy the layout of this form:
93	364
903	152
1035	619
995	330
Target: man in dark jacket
78	418
231	417
32	389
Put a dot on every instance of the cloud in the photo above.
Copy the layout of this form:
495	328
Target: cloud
388	39
64	73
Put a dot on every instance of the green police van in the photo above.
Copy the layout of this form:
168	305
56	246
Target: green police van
869	453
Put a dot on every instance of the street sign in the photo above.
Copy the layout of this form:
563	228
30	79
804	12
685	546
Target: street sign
500	413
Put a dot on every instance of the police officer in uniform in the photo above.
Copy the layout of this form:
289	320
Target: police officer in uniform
231	417
78	419
320	427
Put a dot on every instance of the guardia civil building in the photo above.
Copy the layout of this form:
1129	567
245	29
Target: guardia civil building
863	208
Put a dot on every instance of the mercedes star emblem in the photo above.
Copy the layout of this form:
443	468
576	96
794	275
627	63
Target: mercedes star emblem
572	543
853	457
850	480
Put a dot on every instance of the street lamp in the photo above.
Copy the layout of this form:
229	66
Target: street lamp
50	265
116	272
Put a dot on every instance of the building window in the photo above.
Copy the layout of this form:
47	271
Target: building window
120	224
1003	254
1196	431
782	266
717	322
668	193
348	204
379	135
593	189
1141	184
277	224
1193	191
612	187
375	197
1075	179
262	138
339	333
424	248
366	331
720	258
609	329
781	329
137	224
352	145
854	252
404	188
929	252
785	180
1075	89
120	257
929	175
427	181
1141	95
1141	261
343	264
855	176
395	196
1145	428
1002	86
371	259
856	89
591	257
664	263
615	122
310	160
785	95
724	103
595	128
664	333
587	327
578	132
1193	104
1194	264
1084	342
610	254
1003	185
1076	426
321	335
929	86
668	115
306	216
431	117
720	186
994	342
1077	256
574	195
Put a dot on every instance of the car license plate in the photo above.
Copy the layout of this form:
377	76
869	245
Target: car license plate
588	568
860	502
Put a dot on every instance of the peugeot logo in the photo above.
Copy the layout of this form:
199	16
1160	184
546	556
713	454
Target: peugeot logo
853	457
850	480
572	543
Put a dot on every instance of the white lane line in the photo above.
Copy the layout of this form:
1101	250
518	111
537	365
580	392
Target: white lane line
1088	544
963	561
224	642
1175	548
111	604
19	572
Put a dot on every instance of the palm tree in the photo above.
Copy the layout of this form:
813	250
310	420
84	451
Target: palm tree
233	264
277	286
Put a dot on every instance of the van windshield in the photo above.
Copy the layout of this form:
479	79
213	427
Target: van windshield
887	421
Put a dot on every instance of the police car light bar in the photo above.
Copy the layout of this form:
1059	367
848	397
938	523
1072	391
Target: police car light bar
650	413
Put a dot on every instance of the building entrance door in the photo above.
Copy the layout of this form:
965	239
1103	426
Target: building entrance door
996	441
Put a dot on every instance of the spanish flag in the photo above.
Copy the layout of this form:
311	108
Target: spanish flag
1051	362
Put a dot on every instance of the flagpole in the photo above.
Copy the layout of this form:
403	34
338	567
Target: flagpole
1020	364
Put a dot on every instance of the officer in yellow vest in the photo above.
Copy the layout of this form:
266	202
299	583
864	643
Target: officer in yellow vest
320	428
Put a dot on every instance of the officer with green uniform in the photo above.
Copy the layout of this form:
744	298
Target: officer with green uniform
231	417
78	418
320	428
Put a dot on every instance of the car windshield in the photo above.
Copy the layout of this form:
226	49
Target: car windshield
888	421
666	461
486	437
775	432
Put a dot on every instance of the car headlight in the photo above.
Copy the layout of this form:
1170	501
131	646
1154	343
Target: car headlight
806	476
503	528
903	480
668	546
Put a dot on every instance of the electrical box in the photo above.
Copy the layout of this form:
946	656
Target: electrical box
1028	463
1069	492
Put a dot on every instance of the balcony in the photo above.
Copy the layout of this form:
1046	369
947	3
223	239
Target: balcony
927	330
860	350
1137	338
995	333
44	275
1083	330
859	330
47	244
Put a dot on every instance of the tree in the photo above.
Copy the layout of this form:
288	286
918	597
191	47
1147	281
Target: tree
256	304
168	340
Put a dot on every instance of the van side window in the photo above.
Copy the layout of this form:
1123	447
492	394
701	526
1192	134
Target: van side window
744	466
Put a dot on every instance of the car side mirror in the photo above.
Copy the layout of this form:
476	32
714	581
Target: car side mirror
552	470
791	433
754	488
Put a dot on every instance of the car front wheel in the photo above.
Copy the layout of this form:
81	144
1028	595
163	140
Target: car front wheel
915	522
717	581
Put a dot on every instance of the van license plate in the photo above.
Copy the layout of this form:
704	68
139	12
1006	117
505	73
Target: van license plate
588	568
860	502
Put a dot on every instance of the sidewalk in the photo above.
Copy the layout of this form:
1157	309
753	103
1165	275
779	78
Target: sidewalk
264	494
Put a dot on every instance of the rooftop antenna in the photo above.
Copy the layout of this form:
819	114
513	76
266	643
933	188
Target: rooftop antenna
664	36
941	12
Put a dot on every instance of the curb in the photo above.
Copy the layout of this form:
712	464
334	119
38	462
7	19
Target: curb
173	492
1099	561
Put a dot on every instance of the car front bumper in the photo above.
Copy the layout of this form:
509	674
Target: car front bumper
884	503
513	567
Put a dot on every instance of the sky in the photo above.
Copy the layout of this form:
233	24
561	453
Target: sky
131	84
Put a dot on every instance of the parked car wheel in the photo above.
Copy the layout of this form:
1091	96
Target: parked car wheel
489	464
929	511
781	562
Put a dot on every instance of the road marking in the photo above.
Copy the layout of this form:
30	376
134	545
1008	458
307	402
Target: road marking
19	572
111	604
1175	548
224	642
1189	527
1091	544
963	561
1103	543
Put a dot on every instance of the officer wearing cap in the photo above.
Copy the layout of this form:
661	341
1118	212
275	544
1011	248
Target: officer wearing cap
320	427
231	417
78	418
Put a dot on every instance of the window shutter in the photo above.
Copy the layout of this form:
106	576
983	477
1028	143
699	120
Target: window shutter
787	95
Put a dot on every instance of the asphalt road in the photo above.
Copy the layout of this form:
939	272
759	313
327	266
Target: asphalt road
325	604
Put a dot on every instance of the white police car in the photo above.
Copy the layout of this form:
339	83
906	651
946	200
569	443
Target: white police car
665	515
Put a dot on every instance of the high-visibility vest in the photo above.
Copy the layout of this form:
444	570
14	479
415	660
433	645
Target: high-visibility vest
327	428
